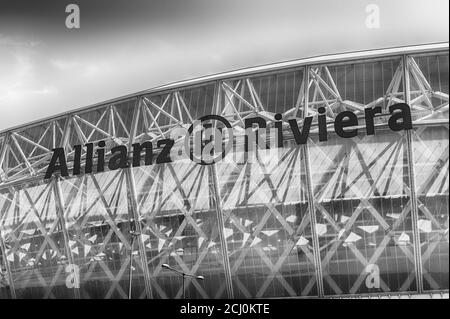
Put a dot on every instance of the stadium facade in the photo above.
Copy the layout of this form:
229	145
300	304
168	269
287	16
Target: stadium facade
360	216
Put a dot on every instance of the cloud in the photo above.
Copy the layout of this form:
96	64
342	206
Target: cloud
23	83
14	95
86	69
62	65
6	41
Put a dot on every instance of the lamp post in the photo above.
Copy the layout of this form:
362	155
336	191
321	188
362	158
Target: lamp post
182	274
133	235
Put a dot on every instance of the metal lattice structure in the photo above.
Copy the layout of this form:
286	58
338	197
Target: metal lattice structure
320	219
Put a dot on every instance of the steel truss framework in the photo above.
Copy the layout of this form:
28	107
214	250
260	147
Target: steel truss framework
316	220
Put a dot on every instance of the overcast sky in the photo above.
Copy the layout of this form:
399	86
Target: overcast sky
130	45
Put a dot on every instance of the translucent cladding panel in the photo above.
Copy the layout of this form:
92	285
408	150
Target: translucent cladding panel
179	225
279	92
430	150
28	149
34	242
363	210
97	218
110	122
428	78
198	101
268	94
120	119
355	86
267	223
160	114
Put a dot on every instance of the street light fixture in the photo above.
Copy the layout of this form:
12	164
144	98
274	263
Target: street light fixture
182	274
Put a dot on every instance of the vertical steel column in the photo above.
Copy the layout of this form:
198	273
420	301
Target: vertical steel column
412	181
219	212
60	208
134	207
310	191
131	185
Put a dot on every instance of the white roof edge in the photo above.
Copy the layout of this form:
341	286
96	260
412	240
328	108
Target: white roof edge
338	57
309	61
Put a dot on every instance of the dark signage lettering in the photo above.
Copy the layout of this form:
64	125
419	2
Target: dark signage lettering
345	124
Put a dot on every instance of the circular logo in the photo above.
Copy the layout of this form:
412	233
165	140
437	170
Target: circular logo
205	139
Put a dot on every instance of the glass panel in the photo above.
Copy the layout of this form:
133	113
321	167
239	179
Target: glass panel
363	207
270	93
111	123
34	242
428	77
97	219
160	114
178	216
267	224
28	150
355	86
430	148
